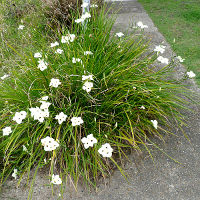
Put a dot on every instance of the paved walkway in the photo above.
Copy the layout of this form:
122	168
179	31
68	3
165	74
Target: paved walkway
165	181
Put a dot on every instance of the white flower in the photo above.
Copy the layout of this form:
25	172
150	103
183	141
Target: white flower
7	130
33	111
160	48
85	5
68	38
79	20
14	174
106	150
75	60
88	53
141	25
37	55
142	107
120	34
45	98
46	113
23	114
40	113
89	77
163	60
191	74
37	114
155	123
87	86
86	15
55	82
54	44
4	76
94	6
21	27
61	117
19	116
76	121
59	51
42	65
49	144
89	141
180	59
56	179
83	17
45	105
24	148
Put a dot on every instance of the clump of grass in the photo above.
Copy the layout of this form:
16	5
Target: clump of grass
14	13
128	92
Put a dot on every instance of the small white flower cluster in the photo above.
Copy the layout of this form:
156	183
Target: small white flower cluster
5	76
163	60
55	179
41	113
54	44
7	130
160	49
54	82
59	51
85	16
75	60
89	141
88	53
106	150
120	34
141	25
93	6
19	117
76	121
68	38
87	86
89	77
191	74
42	64
61	117
49	143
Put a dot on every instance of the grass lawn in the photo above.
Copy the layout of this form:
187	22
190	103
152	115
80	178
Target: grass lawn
179	22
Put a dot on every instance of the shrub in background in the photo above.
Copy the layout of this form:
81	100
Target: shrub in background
77	105
58	12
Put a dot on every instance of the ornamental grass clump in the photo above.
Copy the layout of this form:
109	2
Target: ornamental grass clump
78	110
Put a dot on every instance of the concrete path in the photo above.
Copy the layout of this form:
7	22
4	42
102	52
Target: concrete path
166	180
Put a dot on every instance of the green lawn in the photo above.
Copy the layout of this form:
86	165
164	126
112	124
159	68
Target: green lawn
179	20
